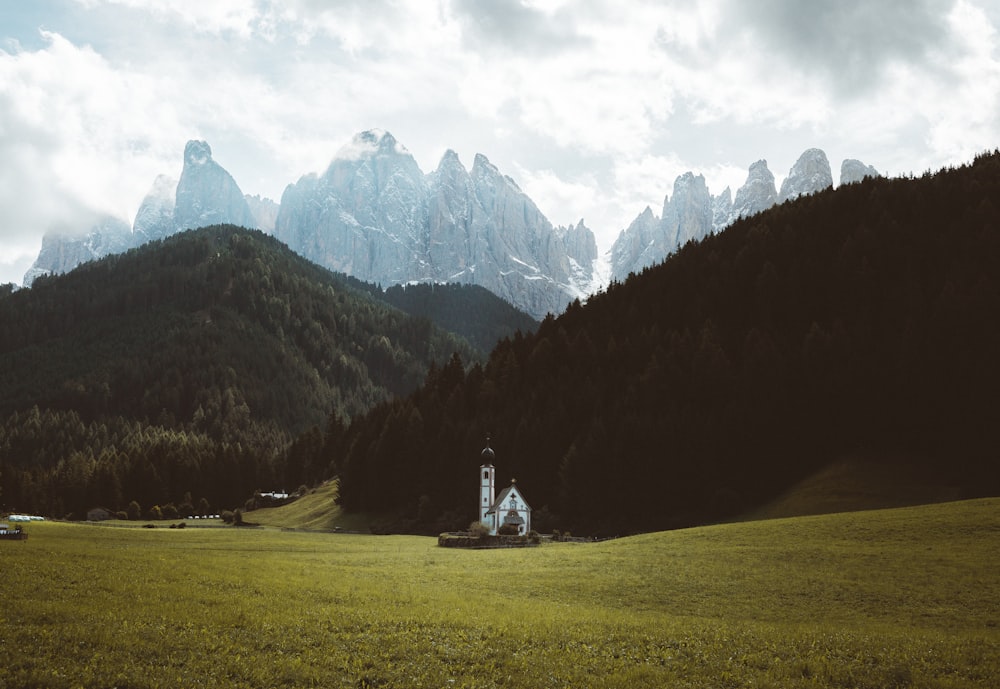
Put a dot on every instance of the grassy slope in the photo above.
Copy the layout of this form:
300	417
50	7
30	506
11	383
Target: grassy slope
859	483
315	511
896	598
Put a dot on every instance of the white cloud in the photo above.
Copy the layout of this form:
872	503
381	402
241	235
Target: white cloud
846	44
210	16
593	107
79	138
550	190
968	121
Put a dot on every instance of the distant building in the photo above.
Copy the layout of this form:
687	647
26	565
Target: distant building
15	534
509	508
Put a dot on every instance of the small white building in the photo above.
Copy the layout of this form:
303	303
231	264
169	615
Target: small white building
508	508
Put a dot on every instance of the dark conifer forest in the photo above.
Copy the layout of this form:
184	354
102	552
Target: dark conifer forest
468	310
857	321
864	319
184	369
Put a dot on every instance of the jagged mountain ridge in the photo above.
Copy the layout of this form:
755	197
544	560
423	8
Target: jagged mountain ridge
206	194
811	173
62	249
693	213
375	215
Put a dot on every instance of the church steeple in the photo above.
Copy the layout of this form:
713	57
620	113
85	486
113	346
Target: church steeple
488	455
487	483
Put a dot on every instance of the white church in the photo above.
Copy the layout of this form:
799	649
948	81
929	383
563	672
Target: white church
508	508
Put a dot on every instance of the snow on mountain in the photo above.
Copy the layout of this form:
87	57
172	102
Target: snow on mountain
687	215
63	249
362	215
155	217
722	210
693	213
374	215
639	245
757	193
810	174
206	193
581	248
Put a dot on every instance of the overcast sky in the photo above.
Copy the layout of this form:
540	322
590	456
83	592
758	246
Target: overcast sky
593	107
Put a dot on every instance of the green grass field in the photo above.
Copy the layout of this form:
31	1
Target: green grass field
896	598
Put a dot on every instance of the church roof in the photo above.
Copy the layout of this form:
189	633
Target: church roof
504	495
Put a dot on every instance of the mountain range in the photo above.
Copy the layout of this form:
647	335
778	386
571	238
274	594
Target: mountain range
205	195
692	212
374	215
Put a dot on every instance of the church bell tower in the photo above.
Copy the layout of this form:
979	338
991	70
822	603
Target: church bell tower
487	485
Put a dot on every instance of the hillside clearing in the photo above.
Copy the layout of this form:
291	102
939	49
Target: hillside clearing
317	510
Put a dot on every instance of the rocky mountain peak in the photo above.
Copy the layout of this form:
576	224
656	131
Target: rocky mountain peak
449	169
375	216
481	166
197	153
450	172
64	248
692	213
639	245
450	159
810	174
852	170
370	143
374	164
155	217
486	172
206	193
580	242
688	215
757	193
722	209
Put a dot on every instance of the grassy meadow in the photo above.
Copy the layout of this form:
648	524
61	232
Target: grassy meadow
896	598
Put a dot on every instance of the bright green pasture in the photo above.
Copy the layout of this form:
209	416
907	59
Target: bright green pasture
899	598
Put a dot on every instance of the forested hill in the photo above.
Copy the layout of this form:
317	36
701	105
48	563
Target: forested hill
857	320
471	311
186	366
